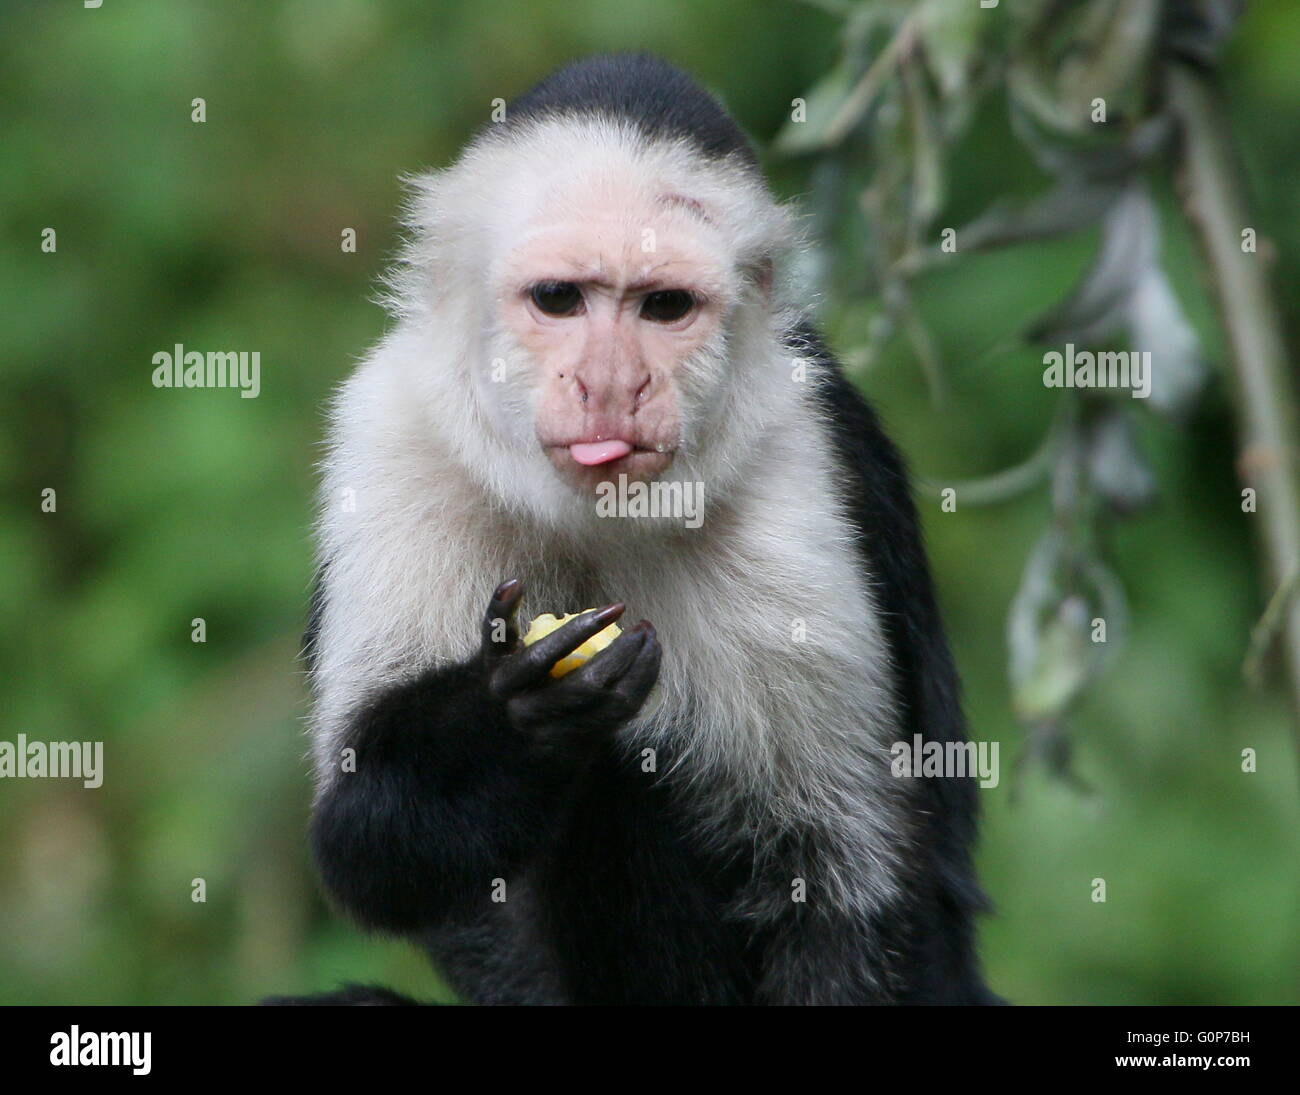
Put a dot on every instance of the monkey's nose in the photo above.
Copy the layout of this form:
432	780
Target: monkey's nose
604	391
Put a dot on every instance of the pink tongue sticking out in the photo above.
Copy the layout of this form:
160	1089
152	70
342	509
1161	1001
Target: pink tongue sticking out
598	452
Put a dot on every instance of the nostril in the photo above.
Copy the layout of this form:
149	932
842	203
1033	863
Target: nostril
582	389
640	395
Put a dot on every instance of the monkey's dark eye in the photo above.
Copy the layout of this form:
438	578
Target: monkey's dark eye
556	298
667	305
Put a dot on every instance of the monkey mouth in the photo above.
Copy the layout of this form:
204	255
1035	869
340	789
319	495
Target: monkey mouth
587	463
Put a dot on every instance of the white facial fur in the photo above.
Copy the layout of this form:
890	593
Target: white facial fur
470	223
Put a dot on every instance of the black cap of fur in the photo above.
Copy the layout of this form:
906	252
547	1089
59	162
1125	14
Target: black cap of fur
660	99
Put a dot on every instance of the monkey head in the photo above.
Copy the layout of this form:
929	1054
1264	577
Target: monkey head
608	296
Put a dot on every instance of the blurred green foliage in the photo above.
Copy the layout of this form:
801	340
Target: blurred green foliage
175	505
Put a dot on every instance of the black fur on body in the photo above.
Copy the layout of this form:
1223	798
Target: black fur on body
616	896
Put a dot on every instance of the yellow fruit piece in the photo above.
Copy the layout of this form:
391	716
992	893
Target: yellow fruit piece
546	623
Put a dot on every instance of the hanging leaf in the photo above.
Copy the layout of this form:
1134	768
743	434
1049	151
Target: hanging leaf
1047	636
1097	308
821	105
1116	467
1050	628
1071	205
926	151
1066	57
950	35
1102	153
1158	325
1113	60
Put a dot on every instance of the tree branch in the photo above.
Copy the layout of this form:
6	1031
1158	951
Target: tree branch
1263	385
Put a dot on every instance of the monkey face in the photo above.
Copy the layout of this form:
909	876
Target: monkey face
581	303
615	296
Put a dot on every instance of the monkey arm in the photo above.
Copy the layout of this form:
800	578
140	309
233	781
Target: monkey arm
460	772
447	796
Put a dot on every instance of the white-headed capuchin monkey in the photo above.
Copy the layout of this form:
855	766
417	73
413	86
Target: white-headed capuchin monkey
602	391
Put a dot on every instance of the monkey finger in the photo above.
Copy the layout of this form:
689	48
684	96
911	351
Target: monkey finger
611	663
500	631
531	666
640	677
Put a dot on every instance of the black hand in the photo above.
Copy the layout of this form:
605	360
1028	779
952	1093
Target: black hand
602	695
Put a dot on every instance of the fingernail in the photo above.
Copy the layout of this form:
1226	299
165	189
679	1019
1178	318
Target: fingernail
505	589
611	612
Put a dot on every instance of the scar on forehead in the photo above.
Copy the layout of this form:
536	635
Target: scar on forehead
689	204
